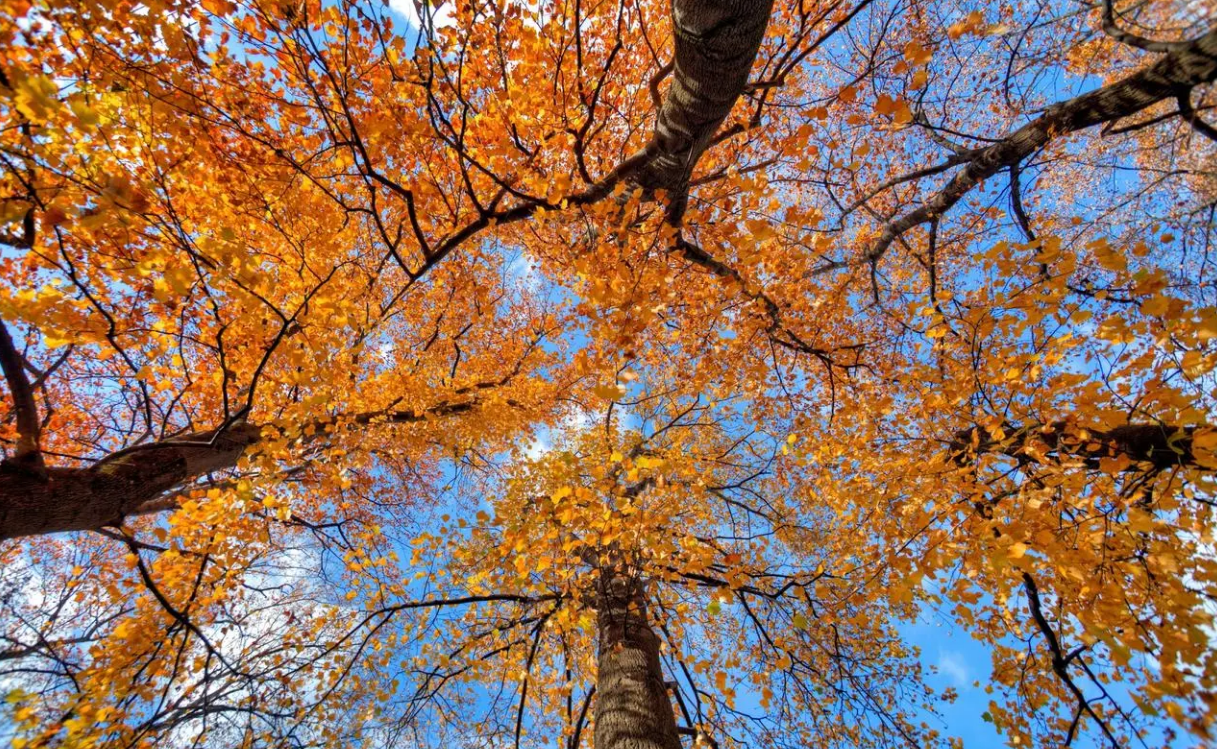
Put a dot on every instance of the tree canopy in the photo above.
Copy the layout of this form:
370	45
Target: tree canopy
607	373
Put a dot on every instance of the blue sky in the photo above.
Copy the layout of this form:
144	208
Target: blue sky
960	661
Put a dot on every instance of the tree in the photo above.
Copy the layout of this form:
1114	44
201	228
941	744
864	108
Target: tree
704	581
285	284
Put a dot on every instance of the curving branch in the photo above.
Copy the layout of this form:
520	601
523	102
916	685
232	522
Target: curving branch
1184	67
67	499
1112	29
1192	117
1060	666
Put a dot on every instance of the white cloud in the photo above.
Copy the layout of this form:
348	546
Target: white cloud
539	447
522	273
439	14
952	665
576	421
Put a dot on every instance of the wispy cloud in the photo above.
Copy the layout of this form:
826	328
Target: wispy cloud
952	665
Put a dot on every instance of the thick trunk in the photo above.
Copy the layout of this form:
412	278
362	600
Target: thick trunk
633	710
1159	445
72	499
716	44
1185	67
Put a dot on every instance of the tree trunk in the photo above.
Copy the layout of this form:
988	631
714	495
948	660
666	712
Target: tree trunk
73	499
716	44
633	710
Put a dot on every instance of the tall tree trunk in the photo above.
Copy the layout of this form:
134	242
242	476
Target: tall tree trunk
633	710
72	499
716	44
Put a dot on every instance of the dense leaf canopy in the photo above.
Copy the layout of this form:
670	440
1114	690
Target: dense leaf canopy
607	372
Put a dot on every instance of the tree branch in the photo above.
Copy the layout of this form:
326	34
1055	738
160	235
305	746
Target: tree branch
1187	65
1162	446
29	430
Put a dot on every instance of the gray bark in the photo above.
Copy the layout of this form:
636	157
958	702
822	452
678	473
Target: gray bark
716	44
1176	73
633	710
28	453
72	499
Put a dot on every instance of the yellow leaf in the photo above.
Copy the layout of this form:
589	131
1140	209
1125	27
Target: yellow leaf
609	392
885	104
86	114
1107	257
1196	364
35	95
917	54
13	210
1206	328
1204	447
1205	439
760	230
55	340
1157	305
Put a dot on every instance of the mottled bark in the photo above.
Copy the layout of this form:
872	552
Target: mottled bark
716	44
135	481
1160	446
633	710
71	499
1176	73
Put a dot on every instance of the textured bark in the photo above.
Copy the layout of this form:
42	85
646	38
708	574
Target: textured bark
72	499
716	44
633	710
1186	66
35	500
27	455
1159	445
